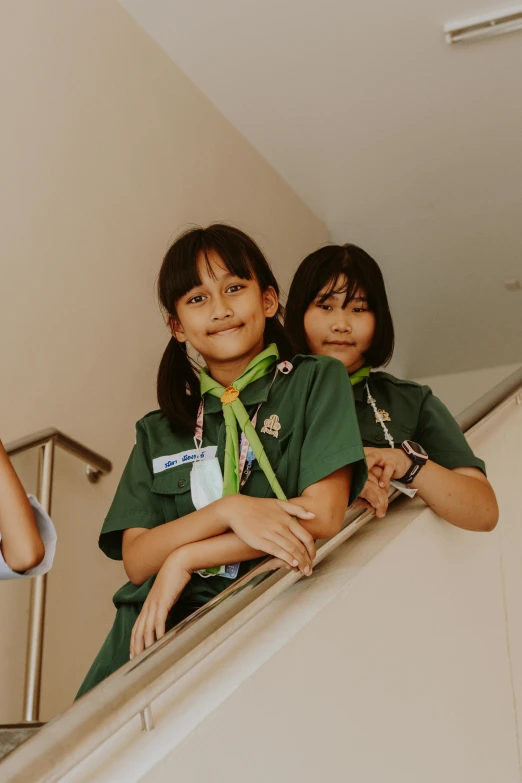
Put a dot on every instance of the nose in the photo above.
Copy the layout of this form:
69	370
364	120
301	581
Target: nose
221	309
341	324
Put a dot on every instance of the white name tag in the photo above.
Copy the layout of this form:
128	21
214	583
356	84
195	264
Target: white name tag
164	463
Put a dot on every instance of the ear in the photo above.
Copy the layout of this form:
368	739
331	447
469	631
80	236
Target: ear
176	329
270	302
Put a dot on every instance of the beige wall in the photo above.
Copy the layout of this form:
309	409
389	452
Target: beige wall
107	151
460	389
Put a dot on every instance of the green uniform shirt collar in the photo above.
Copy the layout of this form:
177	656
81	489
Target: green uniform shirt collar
359	390
359	376
358	379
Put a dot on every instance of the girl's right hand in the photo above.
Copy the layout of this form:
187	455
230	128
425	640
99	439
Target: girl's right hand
267	524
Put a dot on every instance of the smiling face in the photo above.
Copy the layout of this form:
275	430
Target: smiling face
343	330
223	318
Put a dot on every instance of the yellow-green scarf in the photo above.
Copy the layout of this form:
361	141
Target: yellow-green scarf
234	411
359	375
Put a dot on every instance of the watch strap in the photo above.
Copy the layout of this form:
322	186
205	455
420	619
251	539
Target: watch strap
418	457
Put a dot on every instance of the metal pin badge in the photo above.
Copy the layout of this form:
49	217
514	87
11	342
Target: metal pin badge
229	395
271	426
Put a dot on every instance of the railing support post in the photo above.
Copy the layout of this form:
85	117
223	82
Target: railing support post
33	666
147	722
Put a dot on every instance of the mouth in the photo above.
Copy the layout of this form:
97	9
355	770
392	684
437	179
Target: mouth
340	343
225	330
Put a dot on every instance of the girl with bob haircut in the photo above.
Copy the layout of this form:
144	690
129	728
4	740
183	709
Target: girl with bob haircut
337	306
204	494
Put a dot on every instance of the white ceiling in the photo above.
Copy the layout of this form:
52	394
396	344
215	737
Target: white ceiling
399	142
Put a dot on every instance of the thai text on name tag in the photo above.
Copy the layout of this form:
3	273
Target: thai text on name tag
164	463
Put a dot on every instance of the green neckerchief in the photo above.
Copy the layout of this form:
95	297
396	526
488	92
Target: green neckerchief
360	374
234	411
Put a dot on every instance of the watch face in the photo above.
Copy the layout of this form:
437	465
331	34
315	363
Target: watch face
413	449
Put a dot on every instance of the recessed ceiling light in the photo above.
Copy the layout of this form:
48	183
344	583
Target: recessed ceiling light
513	285
485	25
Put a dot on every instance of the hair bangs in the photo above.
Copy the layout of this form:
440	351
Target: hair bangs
233	255
181	270
340	284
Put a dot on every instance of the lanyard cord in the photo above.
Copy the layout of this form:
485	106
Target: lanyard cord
378	417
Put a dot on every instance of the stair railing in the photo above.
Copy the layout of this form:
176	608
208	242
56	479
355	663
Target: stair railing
96	466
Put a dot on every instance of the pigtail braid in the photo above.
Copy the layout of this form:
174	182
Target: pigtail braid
178	387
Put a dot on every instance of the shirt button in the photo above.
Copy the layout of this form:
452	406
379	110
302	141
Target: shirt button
378	437
181	483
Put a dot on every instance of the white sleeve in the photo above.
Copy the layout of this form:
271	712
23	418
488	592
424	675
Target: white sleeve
48	534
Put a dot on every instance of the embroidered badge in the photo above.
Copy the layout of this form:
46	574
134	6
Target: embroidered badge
229	395
385	415
272	426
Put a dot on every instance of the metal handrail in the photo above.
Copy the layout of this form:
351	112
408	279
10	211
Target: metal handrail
489	401
96	466
131	689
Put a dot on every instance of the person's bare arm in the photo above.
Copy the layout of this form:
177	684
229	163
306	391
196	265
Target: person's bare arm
266	524
326	500
463	496
21	544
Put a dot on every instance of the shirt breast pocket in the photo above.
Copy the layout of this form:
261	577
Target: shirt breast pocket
276	449
173	487
374	436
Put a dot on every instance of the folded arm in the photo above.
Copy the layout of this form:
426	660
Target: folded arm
259	525
326	500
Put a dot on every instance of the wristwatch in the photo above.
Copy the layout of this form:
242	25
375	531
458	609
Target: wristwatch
418	458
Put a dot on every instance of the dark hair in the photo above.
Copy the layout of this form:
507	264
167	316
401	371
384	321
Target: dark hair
324	268
178	376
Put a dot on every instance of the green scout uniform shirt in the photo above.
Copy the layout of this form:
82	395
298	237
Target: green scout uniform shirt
415	414
318	435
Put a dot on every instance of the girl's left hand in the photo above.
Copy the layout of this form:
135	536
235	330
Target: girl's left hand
373	496
386	464
172	578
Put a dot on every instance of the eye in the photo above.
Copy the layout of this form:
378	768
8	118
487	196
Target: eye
233	288
324	307
196	299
